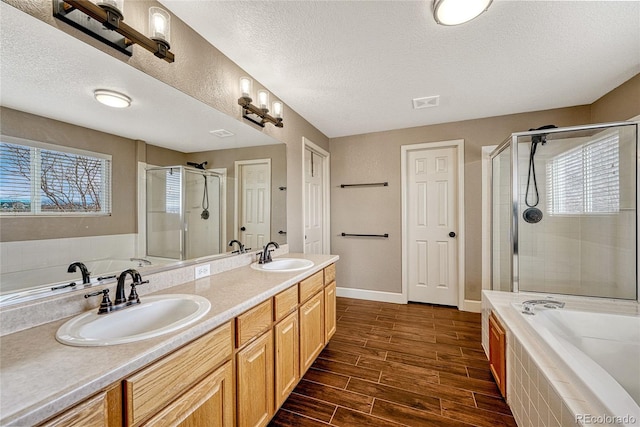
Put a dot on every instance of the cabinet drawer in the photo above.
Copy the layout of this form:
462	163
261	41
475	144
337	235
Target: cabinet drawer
329	274
285	302
101	410
210	403
311	285
151	389
253	322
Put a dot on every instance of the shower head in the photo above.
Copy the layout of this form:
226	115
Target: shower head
197	165
541	138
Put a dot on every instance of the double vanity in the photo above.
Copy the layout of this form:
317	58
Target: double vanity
164	360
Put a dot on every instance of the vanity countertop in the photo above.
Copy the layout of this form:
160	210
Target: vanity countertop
41	377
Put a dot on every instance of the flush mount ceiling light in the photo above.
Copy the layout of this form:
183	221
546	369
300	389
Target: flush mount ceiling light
104	21
260	114
111	98
455	12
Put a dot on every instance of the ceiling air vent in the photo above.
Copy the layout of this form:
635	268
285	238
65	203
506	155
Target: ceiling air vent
427	101
221	133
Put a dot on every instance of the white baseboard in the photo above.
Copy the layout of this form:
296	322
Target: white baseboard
371	295
472	306
381	296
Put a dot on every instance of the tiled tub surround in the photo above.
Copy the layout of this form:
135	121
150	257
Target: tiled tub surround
545	385
41	377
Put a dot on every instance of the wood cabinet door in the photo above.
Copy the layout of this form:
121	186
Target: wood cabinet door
497	353
255	382
210	403
287	363
311	331
329	311
101	410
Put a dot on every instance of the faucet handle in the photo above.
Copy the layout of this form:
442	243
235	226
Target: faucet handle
105	304
133	296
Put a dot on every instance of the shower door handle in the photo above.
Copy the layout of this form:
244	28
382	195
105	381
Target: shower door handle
452	234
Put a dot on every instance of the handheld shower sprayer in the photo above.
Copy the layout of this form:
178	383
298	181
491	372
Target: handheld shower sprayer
532	214
205	194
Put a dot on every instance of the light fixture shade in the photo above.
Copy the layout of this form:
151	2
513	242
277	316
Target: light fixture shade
159	24
263	100
245	87
118	4
112	98
455	12
277	109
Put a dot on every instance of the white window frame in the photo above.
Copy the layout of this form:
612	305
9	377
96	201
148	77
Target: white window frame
36	210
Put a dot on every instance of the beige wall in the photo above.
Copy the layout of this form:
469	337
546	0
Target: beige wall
620	104
376	264
203	72
123	151
375	157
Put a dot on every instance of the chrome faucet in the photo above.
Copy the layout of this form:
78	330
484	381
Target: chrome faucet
241	248
83	269
528	306
121	301
265	255
141	261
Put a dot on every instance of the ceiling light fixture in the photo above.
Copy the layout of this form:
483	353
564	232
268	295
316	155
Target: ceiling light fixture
455	12
260	114
112	98
104	21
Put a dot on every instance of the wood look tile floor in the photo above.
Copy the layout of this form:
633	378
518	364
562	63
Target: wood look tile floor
394	365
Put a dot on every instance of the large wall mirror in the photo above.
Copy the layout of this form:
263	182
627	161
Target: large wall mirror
48	81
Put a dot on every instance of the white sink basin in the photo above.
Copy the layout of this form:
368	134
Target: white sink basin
283	265
156	315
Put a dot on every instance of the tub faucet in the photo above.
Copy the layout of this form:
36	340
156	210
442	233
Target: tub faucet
141	261
265	256
241	248
527	306
83	269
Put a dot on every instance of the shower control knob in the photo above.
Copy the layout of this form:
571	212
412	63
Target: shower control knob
452	234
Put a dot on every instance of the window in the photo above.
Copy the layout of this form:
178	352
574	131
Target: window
585	180
173	191
43	179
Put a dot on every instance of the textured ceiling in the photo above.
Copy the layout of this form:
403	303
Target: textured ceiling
352	67
56	79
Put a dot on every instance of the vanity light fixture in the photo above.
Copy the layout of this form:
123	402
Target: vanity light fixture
112	98
104	21
259	114
455	12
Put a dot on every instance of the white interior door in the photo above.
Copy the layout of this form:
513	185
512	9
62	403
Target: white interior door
432	251
254	202
313	203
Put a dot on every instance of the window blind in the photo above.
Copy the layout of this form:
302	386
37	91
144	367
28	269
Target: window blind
42	181
585	180
172	203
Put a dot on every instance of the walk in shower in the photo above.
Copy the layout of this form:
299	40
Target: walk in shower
564	211
185	216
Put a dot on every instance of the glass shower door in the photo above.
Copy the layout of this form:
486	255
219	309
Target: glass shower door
501	216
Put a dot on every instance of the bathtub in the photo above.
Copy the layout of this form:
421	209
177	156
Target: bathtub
40	280
602	350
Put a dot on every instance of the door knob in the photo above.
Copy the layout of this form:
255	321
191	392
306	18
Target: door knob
452	234
243	228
